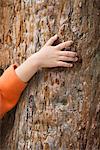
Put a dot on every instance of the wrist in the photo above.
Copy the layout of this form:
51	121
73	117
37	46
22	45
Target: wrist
36	60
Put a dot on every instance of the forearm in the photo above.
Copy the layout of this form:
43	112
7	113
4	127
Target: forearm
27	69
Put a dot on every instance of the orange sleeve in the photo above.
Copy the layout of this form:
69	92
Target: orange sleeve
11	88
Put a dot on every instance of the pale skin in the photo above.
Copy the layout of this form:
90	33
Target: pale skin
47	57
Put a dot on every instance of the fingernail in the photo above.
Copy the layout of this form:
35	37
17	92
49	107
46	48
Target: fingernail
71	65
76	59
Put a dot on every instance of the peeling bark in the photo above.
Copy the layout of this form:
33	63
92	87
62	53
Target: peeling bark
60	108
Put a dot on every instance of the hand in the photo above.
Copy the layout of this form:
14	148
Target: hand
53	56
48	56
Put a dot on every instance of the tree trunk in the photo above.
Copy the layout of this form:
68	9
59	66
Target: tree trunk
60	108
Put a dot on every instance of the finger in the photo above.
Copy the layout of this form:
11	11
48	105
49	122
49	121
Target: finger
51	40
66	49
64	45
64	64
64	58
68	53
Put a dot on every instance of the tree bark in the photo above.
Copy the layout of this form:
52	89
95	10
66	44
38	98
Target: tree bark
60	108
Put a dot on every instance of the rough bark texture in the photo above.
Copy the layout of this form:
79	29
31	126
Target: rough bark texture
60	108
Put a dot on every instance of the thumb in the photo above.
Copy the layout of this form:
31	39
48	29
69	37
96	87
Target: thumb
51	40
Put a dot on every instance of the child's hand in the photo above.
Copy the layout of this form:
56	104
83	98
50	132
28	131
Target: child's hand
49	56
53	56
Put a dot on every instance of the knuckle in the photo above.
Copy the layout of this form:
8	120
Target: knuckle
56	49
63	44
58	63
68	65
65	64
67	53
72	59
59	47
66	44
63	58
58	53
74	54
52	37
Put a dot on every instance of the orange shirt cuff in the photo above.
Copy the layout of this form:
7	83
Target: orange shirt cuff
10	79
